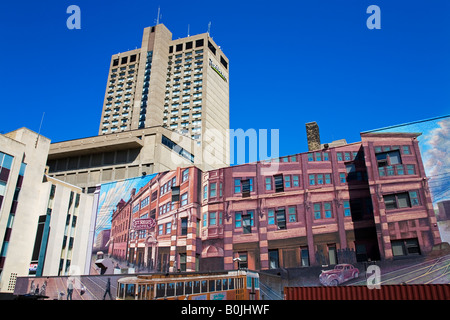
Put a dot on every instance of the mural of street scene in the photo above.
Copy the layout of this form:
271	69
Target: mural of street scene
151	224
68	288
110	250
434	144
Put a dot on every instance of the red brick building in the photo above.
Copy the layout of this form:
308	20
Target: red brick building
170	241
342	204
359	201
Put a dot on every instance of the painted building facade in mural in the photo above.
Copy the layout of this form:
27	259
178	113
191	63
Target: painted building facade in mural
357	202
152	223
434	144
363	201
317	218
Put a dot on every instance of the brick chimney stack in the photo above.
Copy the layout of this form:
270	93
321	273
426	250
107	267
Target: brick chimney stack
312	135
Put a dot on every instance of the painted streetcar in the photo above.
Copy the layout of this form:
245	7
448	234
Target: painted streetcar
227	285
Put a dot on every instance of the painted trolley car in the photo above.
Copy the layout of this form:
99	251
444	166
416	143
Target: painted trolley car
227	285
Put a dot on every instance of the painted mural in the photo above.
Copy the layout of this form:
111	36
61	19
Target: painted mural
128	240
117	201
434	144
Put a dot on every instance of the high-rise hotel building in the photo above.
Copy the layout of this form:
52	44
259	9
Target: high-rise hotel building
181	84
166	106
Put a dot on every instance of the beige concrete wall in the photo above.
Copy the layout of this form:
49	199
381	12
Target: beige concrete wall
25	222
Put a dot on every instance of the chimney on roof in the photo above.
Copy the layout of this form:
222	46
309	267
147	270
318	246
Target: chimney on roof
312	135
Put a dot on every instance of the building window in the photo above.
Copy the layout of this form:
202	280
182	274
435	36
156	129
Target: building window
184	226
243	264
278	217
271	216
273	259
237	185
185	175
317	211
295	181
182	263
388	158
279	185
405	247
176	148
212	218
247	222
160	229
247	187
168	227
304	255
199	43
268	183
184	199
212	189
320	179
287	181
327	209
347	211
205	192
244	220
144	202
238	219
318	156
327	212
224	62
211	47
401	200
312	180
292	214
281	218
410	169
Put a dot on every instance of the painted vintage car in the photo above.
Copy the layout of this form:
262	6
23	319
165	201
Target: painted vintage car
338	275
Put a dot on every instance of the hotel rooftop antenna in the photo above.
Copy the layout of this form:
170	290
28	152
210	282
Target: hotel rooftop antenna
39	132
209	28
188	31
159	15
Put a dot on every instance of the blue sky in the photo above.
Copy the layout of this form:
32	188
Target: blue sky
307	60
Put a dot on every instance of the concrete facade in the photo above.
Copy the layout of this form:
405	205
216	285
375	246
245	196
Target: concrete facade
35	213
101	159
18	217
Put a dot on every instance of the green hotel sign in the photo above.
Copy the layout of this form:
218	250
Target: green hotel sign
217	70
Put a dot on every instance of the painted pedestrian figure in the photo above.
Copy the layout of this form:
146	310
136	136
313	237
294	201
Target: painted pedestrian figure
108	289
